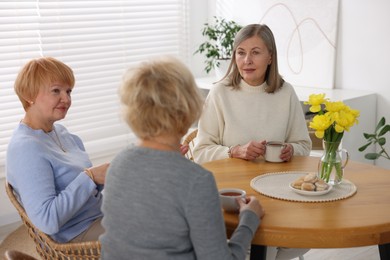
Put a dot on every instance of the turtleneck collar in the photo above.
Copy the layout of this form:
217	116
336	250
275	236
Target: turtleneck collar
246	87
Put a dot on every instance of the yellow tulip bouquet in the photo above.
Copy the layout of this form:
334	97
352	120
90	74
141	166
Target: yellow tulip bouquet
329	123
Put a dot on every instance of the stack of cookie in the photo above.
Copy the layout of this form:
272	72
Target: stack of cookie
310	182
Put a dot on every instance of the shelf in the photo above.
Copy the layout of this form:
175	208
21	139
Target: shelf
303	93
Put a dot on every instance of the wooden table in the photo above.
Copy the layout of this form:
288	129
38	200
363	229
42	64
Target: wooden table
360	220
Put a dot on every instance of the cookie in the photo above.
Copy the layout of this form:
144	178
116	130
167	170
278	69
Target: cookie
311	177
308	186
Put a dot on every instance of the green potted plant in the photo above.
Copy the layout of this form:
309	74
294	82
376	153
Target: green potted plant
219	44
378	137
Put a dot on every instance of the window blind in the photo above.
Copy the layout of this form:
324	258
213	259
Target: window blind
99	40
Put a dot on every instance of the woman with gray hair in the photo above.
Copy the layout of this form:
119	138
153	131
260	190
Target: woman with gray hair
250	106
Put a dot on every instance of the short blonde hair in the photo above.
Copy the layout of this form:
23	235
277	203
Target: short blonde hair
160	97
39	73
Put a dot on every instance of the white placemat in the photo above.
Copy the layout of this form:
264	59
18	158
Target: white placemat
276	185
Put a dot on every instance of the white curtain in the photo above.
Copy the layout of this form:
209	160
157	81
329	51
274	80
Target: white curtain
98	40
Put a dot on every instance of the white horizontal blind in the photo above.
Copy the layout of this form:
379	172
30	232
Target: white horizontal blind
98	40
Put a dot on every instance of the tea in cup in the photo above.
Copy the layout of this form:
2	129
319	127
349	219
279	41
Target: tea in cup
273	150
229	197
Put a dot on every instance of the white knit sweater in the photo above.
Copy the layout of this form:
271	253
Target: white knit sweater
232	117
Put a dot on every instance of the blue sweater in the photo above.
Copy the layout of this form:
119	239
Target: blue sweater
59	198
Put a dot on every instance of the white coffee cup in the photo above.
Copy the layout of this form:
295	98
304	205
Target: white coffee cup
229	197
273	150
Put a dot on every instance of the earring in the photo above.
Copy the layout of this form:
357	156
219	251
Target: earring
31	102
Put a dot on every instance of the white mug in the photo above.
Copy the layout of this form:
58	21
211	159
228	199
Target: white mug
228	198
273	150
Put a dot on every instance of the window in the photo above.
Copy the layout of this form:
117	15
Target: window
98	40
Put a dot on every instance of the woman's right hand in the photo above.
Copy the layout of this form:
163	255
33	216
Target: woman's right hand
99	173
253	204
249	151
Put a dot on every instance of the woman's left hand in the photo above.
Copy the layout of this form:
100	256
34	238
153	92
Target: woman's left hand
184	149
287	152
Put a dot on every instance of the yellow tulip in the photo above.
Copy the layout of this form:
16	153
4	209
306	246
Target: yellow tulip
320	123
337	118
334	106
315	101
346	119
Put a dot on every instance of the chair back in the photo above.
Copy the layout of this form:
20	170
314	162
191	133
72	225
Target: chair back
190	141
17	255
46	247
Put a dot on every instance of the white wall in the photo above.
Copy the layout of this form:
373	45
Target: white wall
363	53
8	213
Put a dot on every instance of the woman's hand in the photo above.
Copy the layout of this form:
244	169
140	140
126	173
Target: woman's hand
253	204
99	173
287	152
184	149
249	151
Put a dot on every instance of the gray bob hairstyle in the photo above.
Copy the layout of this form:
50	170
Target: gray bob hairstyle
272	76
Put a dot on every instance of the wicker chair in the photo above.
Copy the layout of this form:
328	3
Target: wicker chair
189	140
46	247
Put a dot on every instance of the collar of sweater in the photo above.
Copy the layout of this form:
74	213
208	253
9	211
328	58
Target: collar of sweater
246	87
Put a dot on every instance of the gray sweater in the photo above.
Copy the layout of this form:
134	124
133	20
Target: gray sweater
160	205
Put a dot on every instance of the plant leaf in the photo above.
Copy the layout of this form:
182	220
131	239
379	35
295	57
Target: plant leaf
368	136
381	123
372	156
384	130
361	149
382	141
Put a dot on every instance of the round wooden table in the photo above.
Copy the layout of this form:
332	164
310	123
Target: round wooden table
360	220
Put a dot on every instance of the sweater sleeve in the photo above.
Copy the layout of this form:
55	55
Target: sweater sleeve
49	207
210	131
246	229
207	228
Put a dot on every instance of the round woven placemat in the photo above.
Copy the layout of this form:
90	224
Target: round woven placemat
276	185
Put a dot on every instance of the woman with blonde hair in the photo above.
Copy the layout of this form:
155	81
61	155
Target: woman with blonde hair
158	204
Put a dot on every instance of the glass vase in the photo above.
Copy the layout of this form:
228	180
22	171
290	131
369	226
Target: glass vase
331	165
